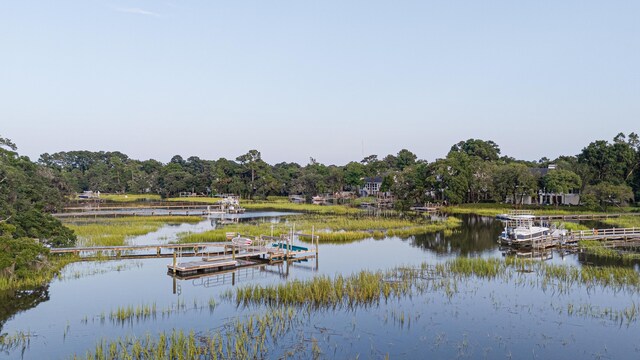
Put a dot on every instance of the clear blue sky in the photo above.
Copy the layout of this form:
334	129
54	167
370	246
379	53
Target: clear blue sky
322	79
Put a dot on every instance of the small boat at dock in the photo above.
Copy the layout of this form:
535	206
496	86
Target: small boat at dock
282	245
241	241
520	230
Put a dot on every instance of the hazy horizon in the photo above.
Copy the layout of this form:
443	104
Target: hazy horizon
332	80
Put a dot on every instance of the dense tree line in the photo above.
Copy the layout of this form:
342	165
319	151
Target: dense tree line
28	194
473	171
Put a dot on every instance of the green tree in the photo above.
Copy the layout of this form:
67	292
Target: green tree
251	162
27	192
312	180
354	174
387	183
404	159
614	163
285	174
410	186
607	194
561	181
514	181
484	150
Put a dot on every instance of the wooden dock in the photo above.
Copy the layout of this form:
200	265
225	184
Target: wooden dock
624	234
619	236
156	249
197	267
189	209
216	256
134	208
578	217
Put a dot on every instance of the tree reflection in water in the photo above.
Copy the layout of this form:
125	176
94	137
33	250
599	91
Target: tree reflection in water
477	234
13	302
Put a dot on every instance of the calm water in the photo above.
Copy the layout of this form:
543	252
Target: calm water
484	319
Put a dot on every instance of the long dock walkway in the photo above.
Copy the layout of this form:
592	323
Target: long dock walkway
188	209
626	234
115	211
216	256
196	247
622	236
583	216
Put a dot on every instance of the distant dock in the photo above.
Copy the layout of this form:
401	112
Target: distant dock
151	210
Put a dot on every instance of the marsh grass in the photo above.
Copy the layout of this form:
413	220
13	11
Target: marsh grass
131	314
284	307
202	200
601	249
281	203
624	222
306	208
114	231
597	248
40	277
130	197
497	209
363	288
245	338
97	267
570	226
368	288
624	316
332	228
19	339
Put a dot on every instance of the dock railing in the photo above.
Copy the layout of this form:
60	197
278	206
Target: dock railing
603	234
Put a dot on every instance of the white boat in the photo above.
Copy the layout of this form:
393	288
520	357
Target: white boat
521	231
241	241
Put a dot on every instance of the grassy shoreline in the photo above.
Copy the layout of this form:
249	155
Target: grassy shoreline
330	228
497	209
114	231
40	277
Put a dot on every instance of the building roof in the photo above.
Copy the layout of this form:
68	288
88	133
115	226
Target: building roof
539	171
377	179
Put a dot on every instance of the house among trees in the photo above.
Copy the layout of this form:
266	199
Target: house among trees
557	187
371	186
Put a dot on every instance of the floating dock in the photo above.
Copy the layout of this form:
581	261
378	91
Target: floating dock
203	267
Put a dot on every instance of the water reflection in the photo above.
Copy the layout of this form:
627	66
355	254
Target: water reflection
484	314
244	275
595	260
171	232
477	234
13	302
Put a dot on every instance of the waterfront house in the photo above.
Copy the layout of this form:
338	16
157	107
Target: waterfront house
546	197
371	186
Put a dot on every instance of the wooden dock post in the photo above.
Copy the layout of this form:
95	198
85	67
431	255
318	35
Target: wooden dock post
313	228
175	260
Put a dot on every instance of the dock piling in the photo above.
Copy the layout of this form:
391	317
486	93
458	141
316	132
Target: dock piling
175	260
